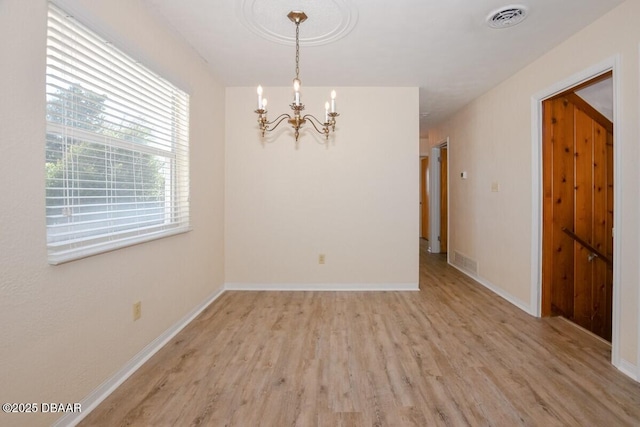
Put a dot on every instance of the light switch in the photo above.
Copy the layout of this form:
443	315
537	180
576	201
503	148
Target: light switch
463	175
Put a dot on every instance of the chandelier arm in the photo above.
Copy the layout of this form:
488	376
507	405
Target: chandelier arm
279	120
313	118
325	128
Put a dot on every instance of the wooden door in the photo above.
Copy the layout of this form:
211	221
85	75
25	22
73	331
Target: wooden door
577	213
424	196
444	200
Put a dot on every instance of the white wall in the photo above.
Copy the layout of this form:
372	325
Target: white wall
65	329
354	199
491	139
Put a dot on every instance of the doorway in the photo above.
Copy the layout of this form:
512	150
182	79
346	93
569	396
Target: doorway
578	205
424	197
439	198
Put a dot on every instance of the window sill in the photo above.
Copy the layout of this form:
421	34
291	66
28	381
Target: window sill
74	254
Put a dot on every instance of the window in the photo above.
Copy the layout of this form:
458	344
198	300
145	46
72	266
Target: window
117	156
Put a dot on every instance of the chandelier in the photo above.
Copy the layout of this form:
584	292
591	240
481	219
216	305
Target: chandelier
298	120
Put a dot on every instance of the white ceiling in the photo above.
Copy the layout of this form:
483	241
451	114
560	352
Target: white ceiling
600	97
444	47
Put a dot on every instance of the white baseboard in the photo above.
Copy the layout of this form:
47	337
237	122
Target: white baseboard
626	367
98	395
322	287
500	292
90	402
629	369
105	389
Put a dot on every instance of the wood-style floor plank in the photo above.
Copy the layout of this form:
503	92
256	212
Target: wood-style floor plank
453	354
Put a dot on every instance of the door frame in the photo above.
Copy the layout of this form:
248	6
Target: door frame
610	64
434	196
425	179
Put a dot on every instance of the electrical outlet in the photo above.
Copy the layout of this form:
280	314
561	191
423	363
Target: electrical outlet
495	187
321	259
137	310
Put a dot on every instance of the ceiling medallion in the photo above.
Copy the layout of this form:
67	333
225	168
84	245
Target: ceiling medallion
332	20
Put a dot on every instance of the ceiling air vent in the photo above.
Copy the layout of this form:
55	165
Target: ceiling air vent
507	16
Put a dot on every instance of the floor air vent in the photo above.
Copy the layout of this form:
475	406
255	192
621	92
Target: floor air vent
464	262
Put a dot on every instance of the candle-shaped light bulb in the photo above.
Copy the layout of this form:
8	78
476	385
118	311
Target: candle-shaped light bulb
260	98
296	89
326	112
333	101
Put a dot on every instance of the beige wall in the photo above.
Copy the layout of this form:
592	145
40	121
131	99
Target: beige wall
354	199
65	329
68	328
425	147
491	138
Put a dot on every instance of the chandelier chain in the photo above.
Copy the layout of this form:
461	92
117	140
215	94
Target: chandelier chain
298	50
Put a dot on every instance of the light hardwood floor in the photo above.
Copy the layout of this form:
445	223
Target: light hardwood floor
452	354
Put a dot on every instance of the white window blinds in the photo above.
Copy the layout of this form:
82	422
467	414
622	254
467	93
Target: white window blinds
117	153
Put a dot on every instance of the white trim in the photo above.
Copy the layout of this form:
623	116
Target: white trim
434	195
638	306
536	203
322	287
104	246
610	64
497	290
98	395
629	369
617	210
434	201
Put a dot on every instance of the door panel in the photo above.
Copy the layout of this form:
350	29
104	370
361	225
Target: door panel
578	197
583	221
601	233
561	215
424	196
609	238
